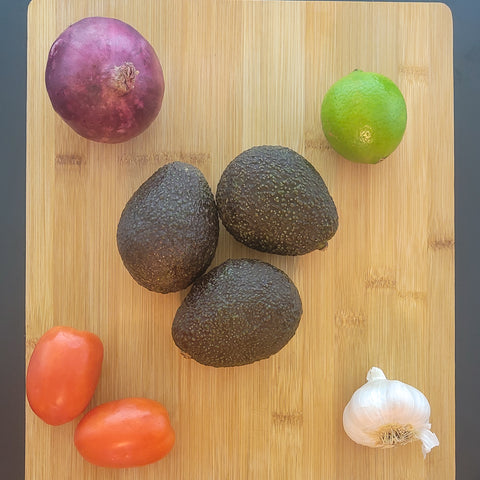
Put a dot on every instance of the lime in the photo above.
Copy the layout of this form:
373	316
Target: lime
364	116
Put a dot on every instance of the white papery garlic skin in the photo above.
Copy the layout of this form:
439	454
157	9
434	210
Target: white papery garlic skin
386	413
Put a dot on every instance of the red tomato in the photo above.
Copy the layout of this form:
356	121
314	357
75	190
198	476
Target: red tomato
125	433
63	373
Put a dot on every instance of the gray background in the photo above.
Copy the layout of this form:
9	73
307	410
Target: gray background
13	68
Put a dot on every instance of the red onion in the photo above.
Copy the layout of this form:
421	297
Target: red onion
104	79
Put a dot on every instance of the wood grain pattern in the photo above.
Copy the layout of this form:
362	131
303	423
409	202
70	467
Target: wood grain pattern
241	73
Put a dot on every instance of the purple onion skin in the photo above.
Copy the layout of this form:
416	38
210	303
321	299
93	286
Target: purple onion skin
104	79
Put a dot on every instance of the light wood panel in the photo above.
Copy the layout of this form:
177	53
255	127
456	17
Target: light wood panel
239	74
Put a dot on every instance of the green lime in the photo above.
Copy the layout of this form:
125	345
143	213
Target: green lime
364	116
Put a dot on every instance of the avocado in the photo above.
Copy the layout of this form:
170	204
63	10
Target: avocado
272	199
241	311
168	231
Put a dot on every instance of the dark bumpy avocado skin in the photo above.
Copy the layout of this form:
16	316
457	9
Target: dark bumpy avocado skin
168	230
272	199
240	312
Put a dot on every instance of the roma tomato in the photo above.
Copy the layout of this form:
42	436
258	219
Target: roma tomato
125	433
63	373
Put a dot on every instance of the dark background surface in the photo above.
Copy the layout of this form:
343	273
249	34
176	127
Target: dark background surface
13	71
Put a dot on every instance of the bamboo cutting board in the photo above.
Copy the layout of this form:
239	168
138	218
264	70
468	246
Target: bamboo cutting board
238	74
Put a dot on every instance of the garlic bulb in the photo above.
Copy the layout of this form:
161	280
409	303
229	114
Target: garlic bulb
386	413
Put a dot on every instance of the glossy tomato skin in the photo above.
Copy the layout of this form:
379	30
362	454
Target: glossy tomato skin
63	373
131	432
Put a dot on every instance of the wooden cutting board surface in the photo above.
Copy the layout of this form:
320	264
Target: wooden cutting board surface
240	74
